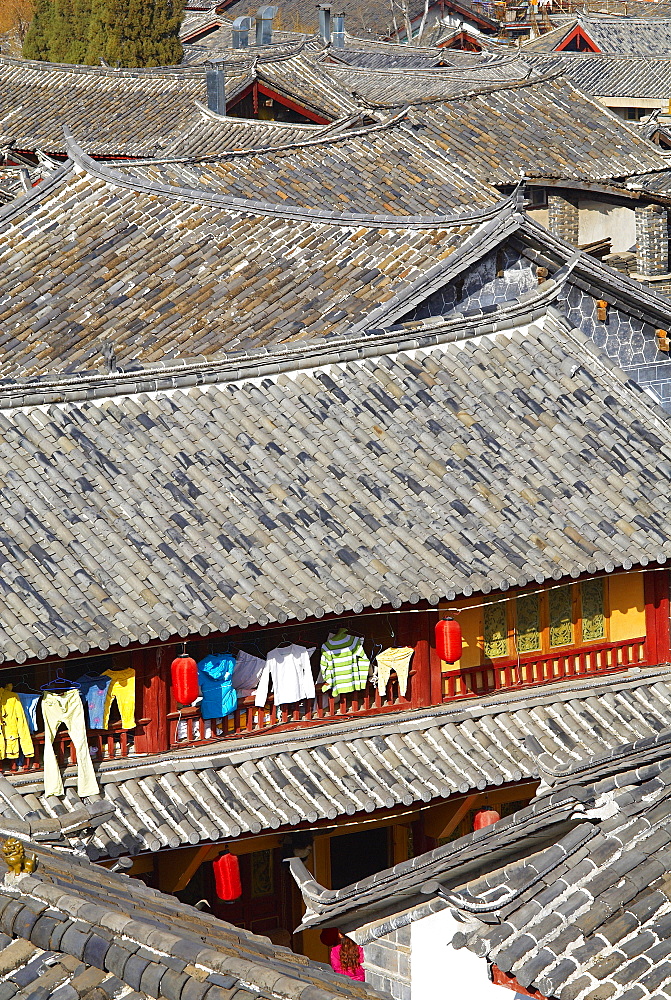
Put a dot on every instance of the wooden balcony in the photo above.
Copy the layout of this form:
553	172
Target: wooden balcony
532	671
428	684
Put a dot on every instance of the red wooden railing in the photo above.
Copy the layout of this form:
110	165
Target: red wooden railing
106	744
187	728
532	671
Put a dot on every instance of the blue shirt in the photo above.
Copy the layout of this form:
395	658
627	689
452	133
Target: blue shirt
215	676
94	692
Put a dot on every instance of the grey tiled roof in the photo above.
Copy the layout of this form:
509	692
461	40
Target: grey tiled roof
251	786
587	913
192	304
379	169
136	110
621	75
615	35
390	87
72	930
610	713
212	135
545	129
341	413
599	918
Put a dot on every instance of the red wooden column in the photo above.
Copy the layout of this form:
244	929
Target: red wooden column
152	682
656	594
416	629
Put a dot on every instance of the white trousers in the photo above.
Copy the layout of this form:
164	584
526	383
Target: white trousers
66	707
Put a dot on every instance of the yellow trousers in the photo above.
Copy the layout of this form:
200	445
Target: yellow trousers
122	687
66	707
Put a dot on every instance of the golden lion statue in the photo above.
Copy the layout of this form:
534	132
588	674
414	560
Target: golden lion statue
15	856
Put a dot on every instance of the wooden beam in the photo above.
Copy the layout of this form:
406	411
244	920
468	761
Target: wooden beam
177	868
441	825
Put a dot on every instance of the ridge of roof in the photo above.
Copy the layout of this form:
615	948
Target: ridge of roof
106	173
78	69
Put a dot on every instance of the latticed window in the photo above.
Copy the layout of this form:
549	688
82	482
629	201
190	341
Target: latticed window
560	604
496	630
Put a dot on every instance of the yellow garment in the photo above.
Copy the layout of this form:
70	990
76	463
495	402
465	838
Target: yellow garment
122	687
14	731
396	658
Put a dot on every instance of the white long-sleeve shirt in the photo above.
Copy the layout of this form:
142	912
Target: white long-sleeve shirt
291	673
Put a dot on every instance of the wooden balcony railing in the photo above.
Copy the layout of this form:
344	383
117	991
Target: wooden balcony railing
187	728
532	671
106	744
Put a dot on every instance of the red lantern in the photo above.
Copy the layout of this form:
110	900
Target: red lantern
184	671
448	640
485	817
227	877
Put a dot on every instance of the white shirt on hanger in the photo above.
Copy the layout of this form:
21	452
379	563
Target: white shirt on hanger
291	673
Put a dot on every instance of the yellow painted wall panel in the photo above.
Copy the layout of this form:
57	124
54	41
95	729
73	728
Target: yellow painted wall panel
627	606
472	627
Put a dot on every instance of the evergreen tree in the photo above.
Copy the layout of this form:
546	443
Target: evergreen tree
135	32
37	44
122	32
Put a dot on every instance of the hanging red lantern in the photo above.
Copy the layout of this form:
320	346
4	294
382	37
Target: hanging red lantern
227	877
448	640
184	672
485	817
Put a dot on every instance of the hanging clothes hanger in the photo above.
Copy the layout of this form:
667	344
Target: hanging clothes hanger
340	633
23	683
60	683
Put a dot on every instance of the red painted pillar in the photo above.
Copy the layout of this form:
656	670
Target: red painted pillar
656	593
152	670
413	630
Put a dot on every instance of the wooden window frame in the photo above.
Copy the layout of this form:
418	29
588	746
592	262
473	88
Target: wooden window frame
577	641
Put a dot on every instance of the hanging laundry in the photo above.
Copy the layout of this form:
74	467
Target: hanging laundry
289	669
66	707
247	673
122	687
30	702
344	663
14	730
215	676
94	692
395	658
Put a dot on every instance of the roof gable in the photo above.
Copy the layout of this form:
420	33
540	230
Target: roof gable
577	41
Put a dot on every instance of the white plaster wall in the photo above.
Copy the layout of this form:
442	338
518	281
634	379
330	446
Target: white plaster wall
438	970
539	215
599	220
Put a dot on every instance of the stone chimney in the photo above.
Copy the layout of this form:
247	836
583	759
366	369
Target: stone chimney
652	241
241	28
264	25
324	11
216	86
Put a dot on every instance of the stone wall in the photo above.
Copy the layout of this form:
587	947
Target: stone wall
563	218
652	240
387	963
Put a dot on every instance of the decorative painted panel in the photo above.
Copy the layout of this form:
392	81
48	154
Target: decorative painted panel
593	614
561	616
496	630
528	623
262	873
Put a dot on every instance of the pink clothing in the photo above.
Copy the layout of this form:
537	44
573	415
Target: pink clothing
357	973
